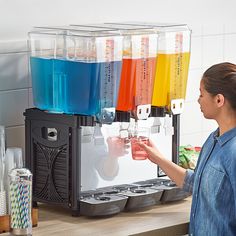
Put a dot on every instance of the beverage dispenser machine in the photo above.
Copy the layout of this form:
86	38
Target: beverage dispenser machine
87	83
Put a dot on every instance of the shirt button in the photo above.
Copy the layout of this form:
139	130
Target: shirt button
193	215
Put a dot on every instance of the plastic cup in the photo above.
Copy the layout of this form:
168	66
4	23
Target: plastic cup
142	136
116	146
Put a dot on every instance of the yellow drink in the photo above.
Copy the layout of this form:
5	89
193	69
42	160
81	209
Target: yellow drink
170	78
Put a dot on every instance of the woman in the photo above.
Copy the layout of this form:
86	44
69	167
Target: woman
213	183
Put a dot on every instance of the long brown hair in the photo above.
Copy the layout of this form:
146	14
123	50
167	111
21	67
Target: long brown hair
221	79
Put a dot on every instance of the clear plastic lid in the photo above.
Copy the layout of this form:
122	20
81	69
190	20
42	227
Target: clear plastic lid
157	25
81	30
169	34
83	44
139	41
123	29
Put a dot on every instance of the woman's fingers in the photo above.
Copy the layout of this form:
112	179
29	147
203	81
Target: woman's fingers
145	147
153	153
151	144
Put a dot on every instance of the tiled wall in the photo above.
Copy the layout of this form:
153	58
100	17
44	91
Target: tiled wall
14	89
210	44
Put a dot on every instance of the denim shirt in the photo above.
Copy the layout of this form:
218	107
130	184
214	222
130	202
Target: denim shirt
213	187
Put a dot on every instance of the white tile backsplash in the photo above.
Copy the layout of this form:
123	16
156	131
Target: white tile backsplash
230	28
230	48
15	137
14	71
196	29
212	29
193	84
191	119
30	98
208	125
194	139
12	105
212	50
205	135
13	46
196	53
30	78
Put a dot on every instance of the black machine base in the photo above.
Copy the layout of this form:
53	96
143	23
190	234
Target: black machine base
53	156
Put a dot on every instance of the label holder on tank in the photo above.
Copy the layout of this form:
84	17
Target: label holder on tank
177	106
107	113
142	112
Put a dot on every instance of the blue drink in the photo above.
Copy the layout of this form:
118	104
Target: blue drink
73	87
109	87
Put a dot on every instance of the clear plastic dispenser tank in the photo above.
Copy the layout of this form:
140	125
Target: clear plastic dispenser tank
138	68
76	71
172	64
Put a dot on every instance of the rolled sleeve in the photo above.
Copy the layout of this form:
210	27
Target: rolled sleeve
188	181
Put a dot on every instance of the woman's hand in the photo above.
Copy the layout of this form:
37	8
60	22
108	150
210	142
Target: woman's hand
175	172
154	155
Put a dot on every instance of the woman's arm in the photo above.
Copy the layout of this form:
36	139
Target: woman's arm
175	172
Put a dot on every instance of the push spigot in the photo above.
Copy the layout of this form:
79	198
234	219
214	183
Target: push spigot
98	137
169	129
155	128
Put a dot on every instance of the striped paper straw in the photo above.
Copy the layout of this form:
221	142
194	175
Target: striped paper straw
20	205
20	199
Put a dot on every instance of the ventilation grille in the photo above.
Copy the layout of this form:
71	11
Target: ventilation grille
51	173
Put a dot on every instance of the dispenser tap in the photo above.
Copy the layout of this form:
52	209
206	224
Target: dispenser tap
124	126
155	128
136	127
87	134
133	127
98	137
169	129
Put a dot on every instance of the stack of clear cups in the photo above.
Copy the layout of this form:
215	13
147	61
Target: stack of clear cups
3	206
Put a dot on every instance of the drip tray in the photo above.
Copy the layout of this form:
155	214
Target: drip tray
137	197
171	191
95	203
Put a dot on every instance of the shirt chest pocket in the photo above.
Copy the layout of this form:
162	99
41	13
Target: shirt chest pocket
212	180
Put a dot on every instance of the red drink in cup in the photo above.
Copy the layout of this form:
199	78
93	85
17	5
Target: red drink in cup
137	152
